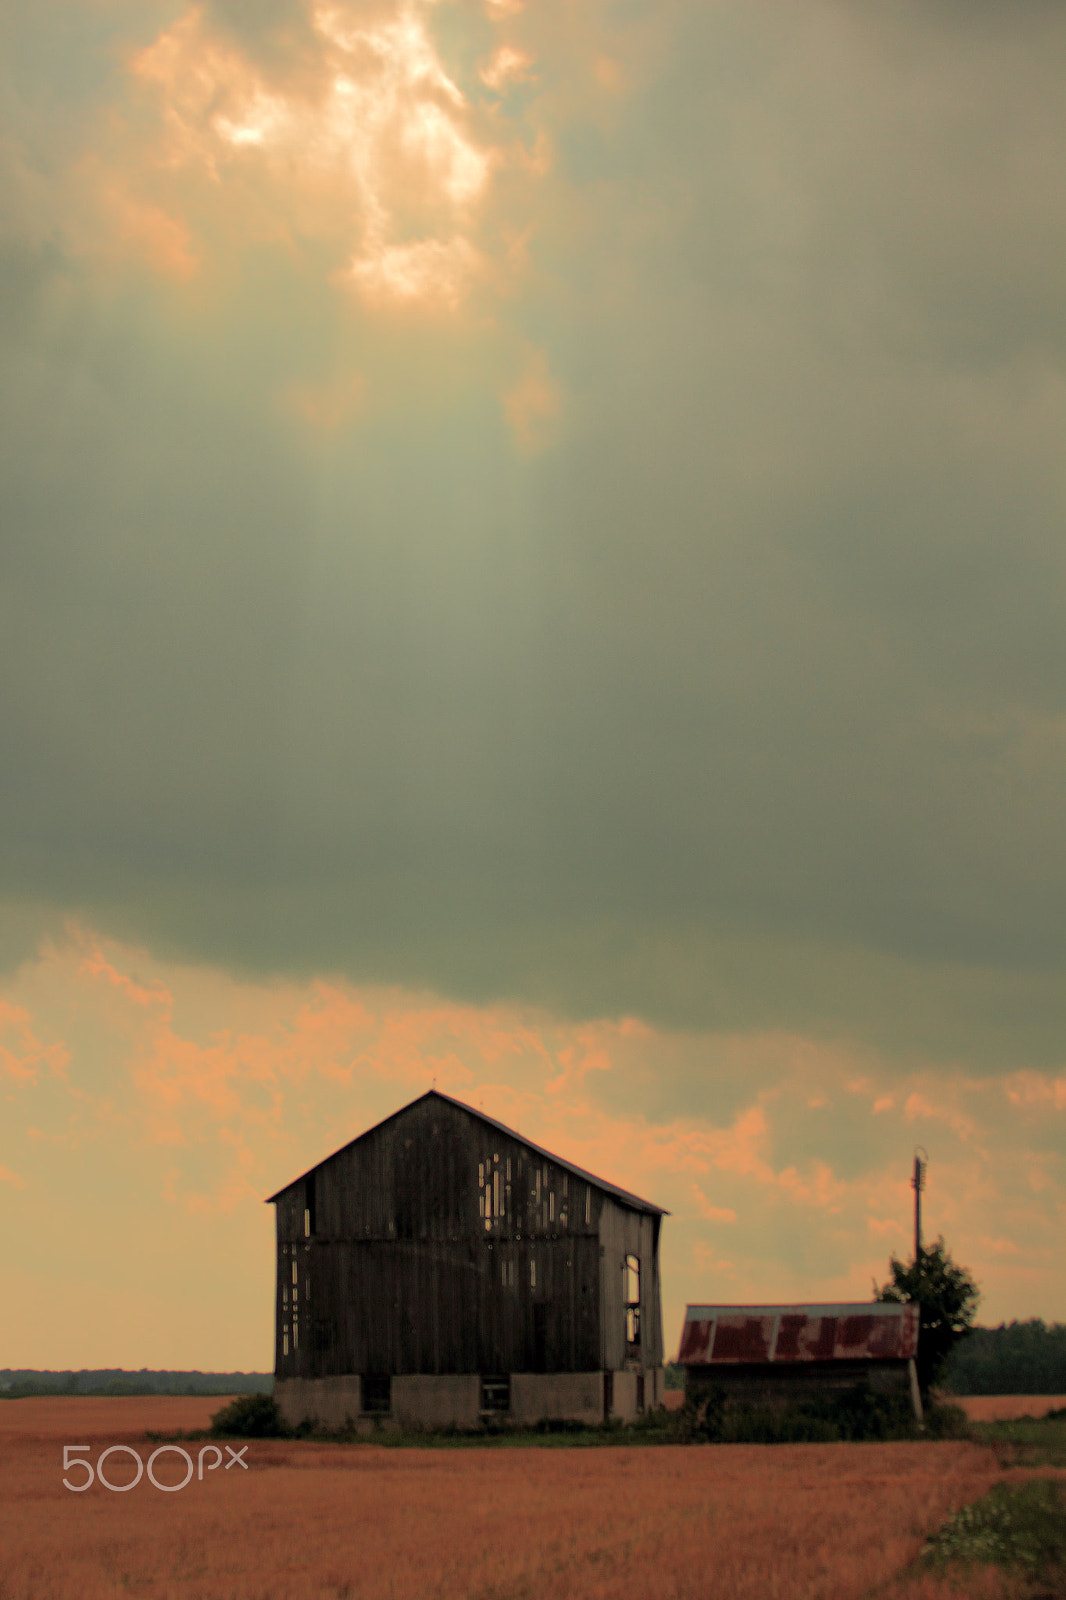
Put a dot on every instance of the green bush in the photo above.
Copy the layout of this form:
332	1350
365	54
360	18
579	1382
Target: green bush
1022	1527
250	1416
852	1414
946	1297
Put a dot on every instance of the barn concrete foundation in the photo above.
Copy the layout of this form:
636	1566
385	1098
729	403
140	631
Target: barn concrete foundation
455	1401
557	1396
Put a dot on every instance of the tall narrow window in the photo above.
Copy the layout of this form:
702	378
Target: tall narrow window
631	1272
309	1206
588	1204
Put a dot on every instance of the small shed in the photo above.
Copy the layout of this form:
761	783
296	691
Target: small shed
776	1355
440	1269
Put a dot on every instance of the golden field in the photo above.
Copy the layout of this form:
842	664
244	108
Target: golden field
308	1519
1007	1407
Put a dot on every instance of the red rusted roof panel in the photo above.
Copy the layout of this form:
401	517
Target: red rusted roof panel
755	1334
742	1337
696	1342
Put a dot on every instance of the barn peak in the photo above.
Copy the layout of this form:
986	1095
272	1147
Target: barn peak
624	1196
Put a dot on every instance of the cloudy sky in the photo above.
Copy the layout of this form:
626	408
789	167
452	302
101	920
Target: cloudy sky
531	559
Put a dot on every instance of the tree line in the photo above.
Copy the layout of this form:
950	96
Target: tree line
1015	1358
23	1381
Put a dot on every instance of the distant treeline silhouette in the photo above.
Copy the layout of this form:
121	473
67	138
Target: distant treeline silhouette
18	1382
1015	1358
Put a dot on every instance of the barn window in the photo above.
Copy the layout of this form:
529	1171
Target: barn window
492	1193
284	1344
551	1206
532	1274
632	1295
309	1206
294	1277
375	1395
495	1395
588	1204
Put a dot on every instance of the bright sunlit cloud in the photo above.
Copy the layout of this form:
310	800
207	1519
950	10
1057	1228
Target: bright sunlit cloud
372	144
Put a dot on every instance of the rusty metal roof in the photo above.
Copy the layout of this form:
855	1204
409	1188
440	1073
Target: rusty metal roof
851	1331
623	1195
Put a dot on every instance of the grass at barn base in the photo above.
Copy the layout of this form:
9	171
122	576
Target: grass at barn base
856	1416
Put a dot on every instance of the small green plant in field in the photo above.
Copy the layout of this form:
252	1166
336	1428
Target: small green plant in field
250	1416
1022	1527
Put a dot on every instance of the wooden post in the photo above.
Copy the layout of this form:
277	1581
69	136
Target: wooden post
916	1393
917	1184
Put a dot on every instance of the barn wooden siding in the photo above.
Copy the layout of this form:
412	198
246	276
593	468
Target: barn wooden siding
441	1243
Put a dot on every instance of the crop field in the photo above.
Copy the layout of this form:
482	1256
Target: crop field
303	1518
1006	1407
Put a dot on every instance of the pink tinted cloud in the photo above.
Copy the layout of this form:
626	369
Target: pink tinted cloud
242	1086
22	1053
533	405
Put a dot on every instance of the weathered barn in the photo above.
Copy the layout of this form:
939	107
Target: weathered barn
770	1355
440	1269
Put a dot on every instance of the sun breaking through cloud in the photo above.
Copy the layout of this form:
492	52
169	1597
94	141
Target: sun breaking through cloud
370	141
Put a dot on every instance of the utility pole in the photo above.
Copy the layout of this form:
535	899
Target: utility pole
918	1184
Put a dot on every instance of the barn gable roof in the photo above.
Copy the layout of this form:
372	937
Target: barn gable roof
622	1195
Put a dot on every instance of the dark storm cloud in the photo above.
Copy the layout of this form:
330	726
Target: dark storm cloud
743	703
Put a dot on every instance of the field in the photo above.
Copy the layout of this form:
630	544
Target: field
1005	1407
309	1519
